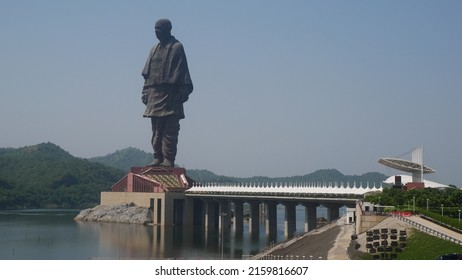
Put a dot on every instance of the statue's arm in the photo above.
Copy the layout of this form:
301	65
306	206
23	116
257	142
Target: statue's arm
184	92
144	94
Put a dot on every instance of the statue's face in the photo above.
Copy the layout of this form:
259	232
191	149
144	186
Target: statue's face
162	32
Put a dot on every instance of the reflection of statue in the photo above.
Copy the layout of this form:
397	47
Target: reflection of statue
167	85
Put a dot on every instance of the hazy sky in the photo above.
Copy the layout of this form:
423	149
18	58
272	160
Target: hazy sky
281	88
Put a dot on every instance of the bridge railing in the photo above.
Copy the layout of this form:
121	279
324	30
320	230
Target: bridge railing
429	230
286	189
352	185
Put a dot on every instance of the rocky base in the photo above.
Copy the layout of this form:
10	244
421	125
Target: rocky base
127	213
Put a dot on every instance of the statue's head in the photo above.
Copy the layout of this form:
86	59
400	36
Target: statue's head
163	28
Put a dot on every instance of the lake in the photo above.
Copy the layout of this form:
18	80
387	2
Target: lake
54	235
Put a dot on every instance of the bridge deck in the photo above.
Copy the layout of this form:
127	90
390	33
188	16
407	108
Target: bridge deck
280	190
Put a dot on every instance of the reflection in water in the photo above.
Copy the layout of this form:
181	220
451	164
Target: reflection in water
122	241
54	235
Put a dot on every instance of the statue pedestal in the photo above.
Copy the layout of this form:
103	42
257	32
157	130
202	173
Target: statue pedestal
168	178
160	189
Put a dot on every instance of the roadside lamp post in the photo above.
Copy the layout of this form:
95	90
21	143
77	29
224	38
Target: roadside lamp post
413	205
442	213
459	215
427	204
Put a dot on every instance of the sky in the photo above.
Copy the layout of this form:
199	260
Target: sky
281	88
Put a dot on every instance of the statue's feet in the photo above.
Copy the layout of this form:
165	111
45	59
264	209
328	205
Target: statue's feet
167	163
156	162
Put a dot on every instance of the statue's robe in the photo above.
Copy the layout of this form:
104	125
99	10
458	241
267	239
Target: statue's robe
167	80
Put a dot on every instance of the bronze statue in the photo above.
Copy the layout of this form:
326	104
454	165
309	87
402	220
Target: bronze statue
167	85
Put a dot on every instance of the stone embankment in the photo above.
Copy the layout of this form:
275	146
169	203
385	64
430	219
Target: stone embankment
327	242
127	213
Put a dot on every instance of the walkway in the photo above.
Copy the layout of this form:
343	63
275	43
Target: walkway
435	227
340	249
329	242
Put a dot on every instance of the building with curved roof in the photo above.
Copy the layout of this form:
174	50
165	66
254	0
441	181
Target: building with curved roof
414	166
406	179
406	165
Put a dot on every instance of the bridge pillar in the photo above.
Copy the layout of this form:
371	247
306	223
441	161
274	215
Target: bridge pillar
271	220
310	216
254	225
198	212
224	217
168	210
188	213
211	214
290	220
238	225
332	212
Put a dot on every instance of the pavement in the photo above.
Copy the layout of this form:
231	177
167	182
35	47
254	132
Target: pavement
328	242
331	241
436	227
342	242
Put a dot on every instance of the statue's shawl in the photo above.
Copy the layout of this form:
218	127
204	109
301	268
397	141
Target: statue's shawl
173	69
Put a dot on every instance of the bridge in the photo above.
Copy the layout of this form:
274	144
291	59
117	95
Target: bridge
176	199
222	204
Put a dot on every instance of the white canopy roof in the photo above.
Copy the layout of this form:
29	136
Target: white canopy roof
408	179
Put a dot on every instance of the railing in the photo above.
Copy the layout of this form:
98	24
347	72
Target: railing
142	185
351	185
289	257
120	186
139	185
274	194
430	231
286	189
441	224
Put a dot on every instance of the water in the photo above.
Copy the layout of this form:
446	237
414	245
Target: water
54	235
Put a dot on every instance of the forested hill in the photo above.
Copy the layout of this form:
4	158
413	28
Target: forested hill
46	176
322	175
126	158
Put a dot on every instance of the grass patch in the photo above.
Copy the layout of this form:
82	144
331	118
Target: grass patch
355	254
422	246
446	220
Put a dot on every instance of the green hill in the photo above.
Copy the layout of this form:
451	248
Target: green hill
124	159
323	175
46	176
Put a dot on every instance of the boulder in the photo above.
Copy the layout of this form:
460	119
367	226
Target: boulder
127	213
